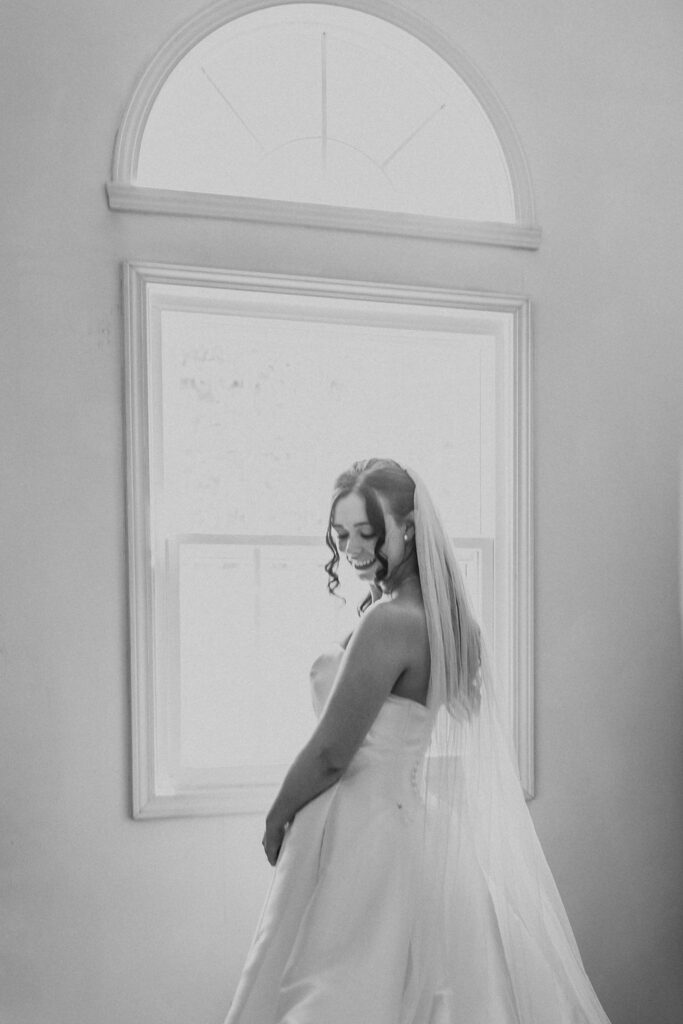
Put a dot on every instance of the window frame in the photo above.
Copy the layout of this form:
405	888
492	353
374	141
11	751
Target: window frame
155	793
125	195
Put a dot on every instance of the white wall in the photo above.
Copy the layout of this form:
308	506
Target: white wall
113	921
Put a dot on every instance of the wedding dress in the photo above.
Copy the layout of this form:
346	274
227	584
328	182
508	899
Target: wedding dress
333	942
338	941
414	890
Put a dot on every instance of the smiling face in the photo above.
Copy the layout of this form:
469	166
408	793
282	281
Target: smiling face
357	537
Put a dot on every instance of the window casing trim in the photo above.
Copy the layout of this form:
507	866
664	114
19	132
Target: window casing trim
155	794
136	199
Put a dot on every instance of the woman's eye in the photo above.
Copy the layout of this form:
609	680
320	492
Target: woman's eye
368	536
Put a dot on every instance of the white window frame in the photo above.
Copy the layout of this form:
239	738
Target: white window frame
157	792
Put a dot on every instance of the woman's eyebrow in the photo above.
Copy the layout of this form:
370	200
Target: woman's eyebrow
338	526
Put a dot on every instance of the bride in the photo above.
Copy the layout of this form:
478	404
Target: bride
409	884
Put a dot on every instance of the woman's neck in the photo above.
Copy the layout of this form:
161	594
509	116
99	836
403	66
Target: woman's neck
405	578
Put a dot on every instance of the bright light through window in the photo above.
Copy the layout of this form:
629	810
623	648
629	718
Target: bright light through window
245	403
319	103
258	415
261	412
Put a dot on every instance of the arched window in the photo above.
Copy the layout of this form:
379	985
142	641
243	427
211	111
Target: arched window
324	114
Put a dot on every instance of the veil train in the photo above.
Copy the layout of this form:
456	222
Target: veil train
496	944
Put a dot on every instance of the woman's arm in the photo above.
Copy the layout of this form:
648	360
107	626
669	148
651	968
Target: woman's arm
373	661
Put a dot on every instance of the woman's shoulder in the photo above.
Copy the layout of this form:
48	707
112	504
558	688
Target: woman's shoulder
400	621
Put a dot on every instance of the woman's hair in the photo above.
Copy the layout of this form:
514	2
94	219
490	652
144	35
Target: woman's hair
370	478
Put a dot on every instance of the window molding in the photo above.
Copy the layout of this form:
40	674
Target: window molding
124	195
155	793
136	199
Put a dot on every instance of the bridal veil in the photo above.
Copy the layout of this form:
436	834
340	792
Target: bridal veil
494	941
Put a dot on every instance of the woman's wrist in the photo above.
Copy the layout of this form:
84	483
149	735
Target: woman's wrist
275	818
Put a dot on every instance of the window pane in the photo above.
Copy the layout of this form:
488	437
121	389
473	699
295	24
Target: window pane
260	414
249	618
256	416
322	104
253	617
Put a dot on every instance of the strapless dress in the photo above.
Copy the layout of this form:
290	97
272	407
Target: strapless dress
333	944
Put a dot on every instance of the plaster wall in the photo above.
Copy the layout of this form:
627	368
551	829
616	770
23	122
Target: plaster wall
113	921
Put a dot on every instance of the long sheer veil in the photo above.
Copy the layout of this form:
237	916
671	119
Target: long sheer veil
496	945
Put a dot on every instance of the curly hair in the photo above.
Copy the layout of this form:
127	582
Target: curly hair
370	478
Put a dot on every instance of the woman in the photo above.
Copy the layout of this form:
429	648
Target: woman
408	889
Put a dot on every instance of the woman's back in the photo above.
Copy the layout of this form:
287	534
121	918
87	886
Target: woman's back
410	622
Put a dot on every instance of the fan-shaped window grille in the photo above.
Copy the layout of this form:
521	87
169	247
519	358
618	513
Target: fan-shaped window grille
324	108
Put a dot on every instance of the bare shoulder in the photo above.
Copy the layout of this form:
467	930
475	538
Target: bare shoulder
401	624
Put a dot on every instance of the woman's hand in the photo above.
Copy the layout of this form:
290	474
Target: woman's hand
272	839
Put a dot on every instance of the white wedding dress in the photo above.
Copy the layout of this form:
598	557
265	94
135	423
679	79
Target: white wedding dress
333	942
343	936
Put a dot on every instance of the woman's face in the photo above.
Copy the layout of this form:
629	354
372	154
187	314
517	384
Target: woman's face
356	538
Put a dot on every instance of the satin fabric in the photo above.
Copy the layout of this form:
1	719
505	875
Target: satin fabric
351	931
333	944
